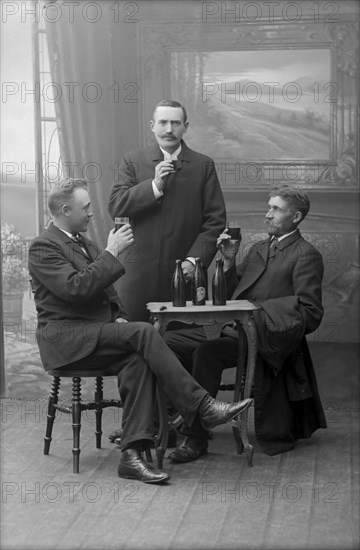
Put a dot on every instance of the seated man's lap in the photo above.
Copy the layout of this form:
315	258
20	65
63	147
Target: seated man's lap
211	358
204	358
184	341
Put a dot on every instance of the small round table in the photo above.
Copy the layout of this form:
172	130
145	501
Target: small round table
239	311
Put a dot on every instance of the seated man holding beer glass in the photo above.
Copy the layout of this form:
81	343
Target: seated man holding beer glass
282	275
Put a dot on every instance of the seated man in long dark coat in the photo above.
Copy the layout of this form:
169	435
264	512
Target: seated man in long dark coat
283	276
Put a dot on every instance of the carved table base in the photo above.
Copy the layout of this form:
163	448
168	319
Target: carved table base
240	311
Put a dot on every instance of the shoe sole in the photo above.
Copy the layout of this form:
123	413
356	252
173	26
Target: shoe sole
129	476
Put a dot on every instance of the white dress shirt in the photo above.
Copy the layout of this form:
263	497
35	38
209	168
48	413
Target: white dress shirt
167	156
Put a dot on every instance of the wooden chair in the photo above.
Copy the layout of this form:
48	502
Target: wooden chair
77	406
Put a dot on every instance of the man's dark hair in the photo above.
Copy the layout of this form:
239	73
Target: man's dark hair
294	196
63	192
171	103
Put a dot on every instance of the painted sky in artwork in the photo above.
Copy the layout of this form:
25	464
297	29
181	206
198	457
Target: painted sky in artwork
269	65
266	104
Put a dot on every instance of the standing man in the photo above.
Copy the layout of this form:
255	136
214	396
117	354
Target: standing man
283	276
83	324
174	201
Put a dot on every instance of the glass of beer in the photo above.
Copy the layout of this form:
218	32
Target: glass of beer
232	245
119	222
234	230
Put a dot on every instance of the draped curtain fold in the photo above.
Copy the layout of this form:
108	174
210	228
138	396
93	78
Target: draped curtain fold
81	67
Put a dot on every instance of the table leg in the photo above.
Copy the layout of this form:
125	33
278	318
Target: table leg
161	438
238	389
240	428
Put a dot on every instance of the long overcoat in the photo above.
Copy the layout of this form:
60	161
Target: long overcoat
286	396
185	221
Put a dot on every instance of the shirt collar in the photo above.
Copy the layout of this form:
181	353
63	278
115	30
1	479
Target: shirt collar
284	236
66	232
171	156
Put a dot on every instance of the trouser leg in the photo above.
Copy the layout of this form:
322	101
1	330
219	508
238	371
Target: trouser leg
183	340
143	340
210	359
136	384
137	388
183	343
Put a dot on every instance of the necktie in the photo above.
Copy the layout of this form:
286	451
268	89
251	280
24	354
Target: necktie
273	243
272	247
79	239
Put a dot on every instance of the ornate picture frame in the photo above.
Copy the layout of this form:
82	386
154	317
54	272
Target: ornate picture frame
175	63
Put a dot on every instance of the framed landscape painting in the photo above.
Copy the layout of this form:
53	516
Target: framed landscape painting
259	105
272	102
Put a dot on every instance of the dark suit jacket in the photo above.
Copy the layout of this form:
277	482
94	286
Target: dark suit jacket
287	287
186	221
73	295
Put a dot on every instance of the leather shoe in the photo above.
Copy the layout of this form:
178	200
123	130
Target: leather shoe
132	466
115	437
190	449
213	412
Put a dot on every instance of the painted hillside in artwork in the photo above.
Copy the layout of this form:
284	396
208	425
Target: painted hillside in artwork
246	105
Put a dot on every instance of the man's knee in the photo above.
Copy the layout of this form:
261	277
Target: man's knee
144	327
146	331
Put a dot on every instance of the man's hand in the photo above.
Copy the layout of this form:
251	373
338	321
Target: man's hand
187	267
121	320
228	248
119	240
163	169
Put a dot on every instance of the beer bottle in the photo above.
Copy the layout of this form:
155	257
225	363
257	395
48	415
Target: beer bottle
178	286
219	284
198	285
205	272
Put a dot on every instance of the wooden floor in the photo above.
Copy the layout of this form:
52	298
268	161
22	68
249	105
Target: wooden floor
307	498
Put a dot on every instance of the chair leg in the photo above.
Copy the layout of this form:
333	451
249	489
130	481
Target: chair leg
161	437
76	422
53	399
98	410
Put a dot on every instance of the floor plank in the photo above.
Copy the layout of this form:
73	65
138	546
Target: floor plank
304	499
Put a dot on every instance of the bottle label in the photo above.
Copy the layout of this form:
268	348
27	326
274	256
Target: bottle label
200	293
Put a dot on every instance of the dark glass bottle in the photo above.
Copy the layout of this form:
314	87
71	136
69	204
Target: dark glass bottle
219	284
198	285
205	272
178	286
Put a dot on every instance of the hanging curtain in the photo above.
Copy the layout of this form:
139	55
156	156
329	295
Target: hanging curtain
81	66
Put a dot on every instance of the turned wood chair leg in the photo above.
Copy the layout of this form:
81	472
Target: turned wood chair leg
161	439
98	410
76	422
53	399
77	406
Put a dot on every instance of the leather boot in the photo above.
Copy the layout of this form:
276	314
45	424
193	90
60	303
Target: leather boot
132	466
212	412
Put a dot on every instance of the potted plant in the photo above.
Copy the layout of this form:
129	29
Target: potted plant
15	276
